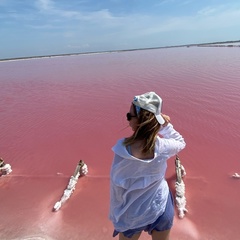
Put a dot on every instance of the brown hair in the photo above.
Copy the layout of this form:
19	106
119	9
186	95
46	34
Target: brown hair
147	130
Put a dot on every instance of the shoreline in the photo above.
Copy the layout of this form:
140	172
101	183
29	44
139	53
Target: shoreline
213	44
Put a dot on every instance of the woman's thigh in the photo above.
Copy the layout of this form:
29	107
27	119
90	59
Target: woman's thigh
160	235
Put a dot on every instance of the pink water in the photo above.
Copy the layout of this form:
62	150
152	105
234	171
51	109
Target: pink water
56	111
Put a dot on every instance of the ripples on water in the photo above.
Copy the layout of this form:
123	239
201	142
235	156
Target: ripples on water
56	111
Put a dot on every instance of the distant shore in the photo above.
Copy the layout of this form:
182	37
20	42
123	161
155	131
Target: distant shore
213	44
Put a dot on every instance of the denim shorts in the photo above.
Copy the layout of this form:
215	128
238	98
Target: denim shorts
164	222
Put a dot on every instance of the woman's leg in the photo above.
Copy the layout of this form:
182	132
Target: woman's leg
160	235
134	237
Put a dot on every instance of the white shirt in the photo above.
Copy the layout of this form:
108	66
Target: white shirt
139	190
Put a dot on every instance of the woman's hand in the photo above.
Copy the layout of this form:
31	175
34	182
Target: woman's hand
166	118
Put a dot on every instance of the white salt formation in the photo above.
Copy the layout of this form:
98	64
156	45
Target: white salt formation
80	170
5	168
180	188
236	175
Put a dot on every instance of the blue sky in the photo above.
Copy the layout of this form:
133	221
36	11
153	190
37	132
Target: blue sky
44	27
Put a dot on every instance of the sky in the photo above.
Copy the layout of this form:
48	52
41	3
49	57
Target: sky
49	27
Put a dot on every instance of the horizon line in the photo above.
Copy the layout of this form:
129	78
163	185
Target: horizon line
115	51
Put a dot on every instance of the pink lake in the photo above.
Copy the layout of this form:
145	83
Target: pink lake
56	111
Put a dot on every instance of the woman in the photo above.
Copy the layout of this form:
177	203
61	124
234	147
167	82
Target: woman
140	196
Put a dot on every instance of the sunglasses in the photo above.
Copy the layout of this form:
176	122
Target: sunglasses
129	116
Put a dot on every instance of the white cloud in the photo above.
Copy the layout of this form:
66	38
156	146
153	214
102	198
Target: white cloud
166	2
214	18
207	18
44	26
207	11
186	2
138	24
50	7
45	5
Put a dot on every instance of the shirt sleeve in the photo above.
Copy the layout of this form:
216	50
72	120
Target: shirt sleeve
173	140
